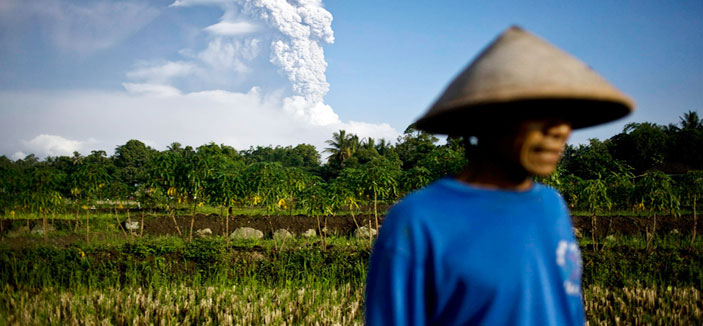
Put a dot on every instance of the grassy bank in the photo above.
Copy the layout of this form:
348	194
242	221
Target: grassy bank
171	281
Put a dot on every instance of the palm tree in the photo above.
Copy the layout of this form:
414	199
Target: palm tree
383	147
690	120
369	144
342	146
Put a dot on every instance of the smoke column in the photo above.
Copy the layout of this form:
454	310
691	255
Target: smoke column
302	25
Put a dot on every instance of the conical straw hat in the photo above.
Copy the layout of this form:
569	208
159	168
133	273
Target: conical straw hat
522	76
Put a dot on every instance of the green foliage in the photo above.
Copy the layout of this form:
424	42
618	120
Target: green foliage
278	178
342	146
594	194
641	144
656	191
131	161
692	186
266	184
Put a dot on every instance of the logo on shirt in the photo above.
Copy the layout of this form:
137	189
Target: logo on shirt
569	259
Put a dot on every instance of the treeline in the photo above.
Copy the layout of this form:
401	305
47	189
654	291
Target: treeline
646	166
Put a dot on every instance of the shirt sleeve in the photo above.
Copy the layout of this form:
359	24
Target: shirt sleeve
395	289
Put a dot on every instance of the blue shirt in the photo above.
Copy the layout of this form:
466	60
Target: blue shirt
453	254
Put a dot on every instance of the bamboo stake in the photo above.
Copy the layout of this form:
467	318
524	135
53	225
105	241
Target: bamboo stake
375	209
87	225
173	217
117	217
227	228
593	232
370	235
695	222
44	224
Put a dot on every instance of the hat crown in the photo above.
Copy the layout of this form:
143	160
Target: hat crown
519	66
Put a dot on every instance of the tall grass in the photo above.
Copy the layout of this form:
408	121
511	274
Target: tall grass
170	281
638	305
315	303
246	304
165	260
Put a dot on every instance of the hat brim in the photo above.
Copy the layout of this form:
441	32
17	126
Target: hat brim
581	113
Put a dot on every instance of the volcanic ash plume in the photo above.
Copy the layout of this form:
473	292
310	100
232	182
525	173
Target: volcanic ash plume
299	26
296	51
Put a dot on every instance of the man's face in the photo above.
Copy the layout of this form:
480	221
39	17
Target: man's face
539	144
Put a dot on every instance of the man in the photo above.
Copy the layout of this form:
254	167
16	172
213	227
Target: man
490	246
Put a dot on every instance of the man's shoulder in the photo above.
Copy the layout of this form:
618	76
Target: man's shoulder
549	193
431	193
427	202
446	190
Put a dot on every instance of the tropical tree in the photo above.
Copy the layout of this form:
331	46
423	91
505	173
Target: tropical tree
595	196
415	178
570	188
314	200
442	161
194	171
621	187
296	180
379	180
640	145
89	180
10	185
320	198
44	194
131	161
163	172
342	147
656	192
148	196
685	143
266	184
590	161
413	146
226	188
692	185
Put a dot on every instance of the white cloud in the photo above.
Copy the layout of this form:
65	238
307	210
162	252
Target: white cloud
158	108
221	63
232	28
18	156
163	72
318	114
88	120
151	89
186	3
52	145
365	129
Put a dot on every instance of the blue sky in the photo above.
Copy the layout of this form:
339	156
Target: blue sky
87	75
